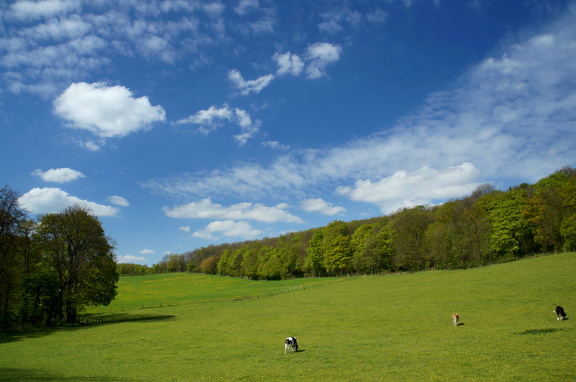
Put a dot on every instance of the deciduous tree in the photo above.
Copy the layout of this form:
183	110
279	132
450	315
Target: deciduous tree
80	257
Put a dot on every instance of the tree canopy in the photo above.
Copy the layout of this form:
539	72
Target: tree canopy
485	227
52	269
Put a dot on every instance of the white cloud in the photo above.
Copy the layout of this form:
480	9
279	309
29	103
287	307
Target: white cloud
50	200
58	175
338	20
129	258
213	118
288	63
106	111
377	16
275	145
250	86
320	205
206	209
118	201
27	10
319	55
184	228
147	251
227	228
61	29
244	6
510	117
316	58
421	187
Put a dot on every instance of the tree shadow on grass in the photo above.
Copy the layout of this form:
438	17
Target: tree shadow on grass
127	317
87	322
18	375
538	331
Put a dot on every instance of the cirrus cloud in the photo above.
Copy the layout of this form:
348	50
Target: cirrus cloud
29	10
509	118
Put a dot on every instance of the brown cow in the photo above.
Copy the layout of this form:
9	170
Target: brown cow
455	319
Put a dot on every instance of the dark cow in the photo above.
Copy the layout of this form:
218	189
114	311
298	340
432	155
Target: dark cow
290	345
560	313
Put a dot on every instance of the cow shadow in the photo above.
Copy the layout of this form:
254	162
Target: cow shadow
538	331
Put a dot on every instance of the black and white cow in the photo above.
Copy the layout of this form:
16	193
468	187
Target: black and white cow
560	313
290	345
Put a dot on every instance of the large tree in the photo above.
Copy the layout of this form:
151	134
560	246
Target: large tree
80	257
12	221
409	227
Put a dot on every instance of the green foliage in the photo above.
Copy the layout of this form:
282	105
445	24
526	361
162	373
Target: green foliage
128	269
78	254
510	232
315	260
409	227
484	228
52	270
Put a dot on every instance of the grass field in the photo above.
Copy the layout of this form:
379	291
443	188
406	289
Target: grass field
379	328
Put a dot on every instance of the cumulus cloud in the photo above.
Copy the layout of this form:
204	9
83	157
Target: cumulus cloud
251	86
316	58
106	111
288	63
118	201
227	228
206	209
50	200
421	187
320	55
320	205
58	175
212	118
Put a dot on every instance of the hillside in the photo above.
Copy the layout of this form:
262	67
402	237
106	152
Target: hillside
486	227
387	328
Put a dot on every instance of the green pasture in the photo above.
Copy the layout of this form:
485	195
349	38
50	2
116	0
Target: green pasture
379	328
184	288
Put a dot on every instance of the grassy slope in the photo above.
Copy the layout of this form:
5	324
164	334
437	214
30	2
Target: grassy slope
357	329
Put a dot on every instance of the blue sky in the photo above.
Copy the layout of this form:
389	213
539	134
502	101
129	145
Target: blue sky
188	123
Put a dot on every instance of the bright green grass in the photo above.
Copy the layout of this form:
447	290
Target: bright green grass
381	328
184	288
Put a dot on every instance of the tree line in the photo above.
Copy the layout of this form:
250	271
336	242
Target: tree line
51	268
486	227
